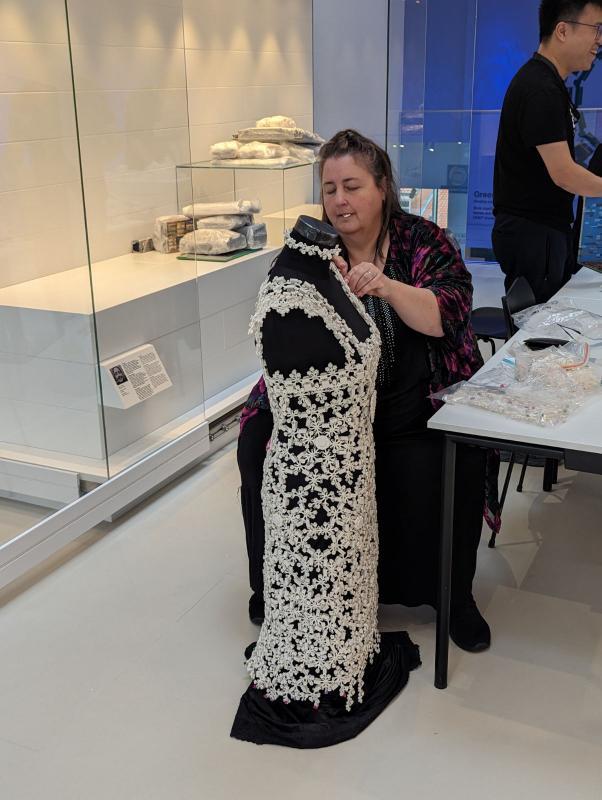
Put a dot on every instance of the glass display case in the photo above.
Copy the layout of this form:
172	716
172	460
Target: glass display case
283	191
114	355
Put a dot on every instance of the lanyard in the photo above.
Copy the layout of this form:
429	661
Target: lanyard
575	113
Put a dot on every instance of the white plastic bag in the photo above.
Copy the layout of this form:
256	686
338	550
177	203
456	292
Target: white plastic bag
227	222
279	134
276	122
256	235
560	318
261	150
225	150
232	207
212	242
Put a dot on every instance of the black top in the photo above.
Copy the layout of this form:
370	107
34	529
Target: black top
537	110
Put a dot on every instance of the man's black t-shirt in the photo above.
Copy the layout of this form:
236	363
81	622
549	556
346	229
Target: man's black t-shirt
537	110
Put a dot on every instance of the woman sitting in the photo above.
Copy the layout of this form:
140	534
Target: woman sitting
415	286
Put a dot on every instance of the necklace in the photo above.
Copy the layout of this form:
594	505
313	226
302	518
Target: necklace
311	249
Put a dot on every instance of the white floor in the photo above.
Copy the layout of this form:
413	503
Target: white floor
121	667
16	517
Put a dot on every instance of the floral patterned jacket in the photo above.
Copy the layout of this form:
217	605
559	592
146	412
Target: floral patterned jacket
428	260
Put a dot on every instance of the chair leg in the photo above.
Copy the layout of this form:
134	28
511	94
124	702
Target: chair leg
548	474
492	343
507	480
519	488
493	536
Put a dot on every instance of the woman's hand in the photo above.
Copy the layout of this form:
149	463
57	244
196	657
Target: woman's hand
366	278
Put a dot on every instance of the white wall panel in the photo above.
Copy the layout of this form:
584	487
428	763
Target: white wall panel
350	66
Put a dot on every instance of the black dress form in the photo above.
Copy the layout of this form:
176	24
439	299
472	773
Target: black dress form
298	342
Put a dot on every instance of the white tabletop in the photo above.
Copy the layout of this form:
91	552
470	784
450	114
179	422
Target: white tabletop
582	431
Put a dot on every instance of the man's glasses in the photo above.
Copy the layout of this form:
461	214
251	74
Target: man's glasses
587	25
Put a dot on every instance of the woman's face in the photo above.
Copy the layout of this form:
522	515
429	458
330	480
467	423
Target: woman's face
352	200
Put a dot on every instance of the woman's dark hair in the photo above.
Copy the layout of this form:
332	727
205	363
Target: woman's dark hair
376	161
551	12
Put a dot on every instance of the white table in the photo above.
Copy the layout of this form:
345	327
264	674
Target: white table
578	441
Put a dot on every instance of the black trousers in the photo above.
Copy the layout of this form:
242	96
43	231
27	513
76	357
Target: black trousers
543	255
408	490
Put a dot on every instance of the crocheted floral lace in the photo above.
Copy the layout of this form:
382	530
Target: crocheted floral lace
321	550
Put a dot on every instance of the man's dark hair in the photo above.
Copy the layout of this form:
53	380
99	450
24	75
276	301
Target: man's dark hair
551	12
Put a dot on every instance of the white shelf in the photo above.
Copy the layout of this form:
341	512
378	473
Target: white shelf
115	281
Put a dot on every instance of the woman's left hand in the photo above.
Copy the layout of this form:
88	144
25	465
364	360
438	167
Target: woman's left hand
366	278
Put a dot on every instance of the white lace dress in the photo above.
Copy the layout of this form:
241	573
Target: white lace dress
321	547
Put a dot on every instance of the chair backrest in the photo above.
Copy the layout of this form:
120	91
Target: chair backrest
518	297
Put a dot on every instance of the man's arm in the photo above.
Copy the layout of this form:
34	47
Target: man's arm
567	174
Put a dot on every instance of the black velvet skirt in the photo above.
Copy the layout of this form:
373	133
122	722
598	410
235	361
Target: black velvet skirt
299	724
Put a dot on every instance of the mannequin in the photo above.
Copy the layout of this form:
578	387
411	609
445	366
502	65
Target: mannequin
321	670
307	342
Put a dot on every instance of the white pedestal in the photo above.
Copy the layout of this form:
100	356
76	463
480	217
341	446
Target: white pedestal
196	314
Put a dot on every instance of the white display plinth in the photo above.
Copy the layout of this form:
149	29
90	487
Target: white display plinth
196	315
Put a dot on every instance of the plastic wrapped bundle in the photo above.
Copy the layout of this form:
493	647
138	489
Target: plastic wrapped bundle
228	222
301	152
279	134
522	402
225	150
276	122
169	230
261	150
231	207
256	235
212	242
560	318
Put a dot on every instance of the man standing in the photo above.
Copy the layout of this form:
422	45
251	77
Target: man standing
536	176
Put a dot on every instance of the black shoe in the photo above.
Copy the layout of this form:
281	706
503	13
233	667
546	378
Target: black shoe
467	627
256	611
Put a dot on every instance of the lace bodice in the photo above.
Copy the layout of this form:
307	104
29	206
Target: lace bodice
321	550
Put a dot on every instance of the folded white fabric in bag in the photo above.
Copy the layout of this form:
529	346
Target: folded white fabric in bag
230	207
278	134
225	149
212	242
261	150
256	235
227	222
276	122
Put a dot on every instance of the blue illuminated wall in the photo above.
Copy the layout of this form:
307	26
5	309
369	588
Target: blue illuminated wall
459	58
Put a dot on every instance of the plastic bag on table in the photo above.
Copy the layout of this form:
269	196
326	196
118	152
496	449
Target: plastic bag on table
519	401
567	367
559	318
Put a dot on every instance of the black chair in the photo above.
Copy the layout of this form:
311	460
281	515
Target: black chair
488	324
519	297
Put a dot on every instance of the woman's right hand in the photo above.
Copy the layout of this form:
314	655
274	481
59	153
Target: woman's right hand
341	265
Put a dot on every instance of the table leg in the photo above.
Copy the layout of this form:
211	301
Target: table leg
548	475
445	562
